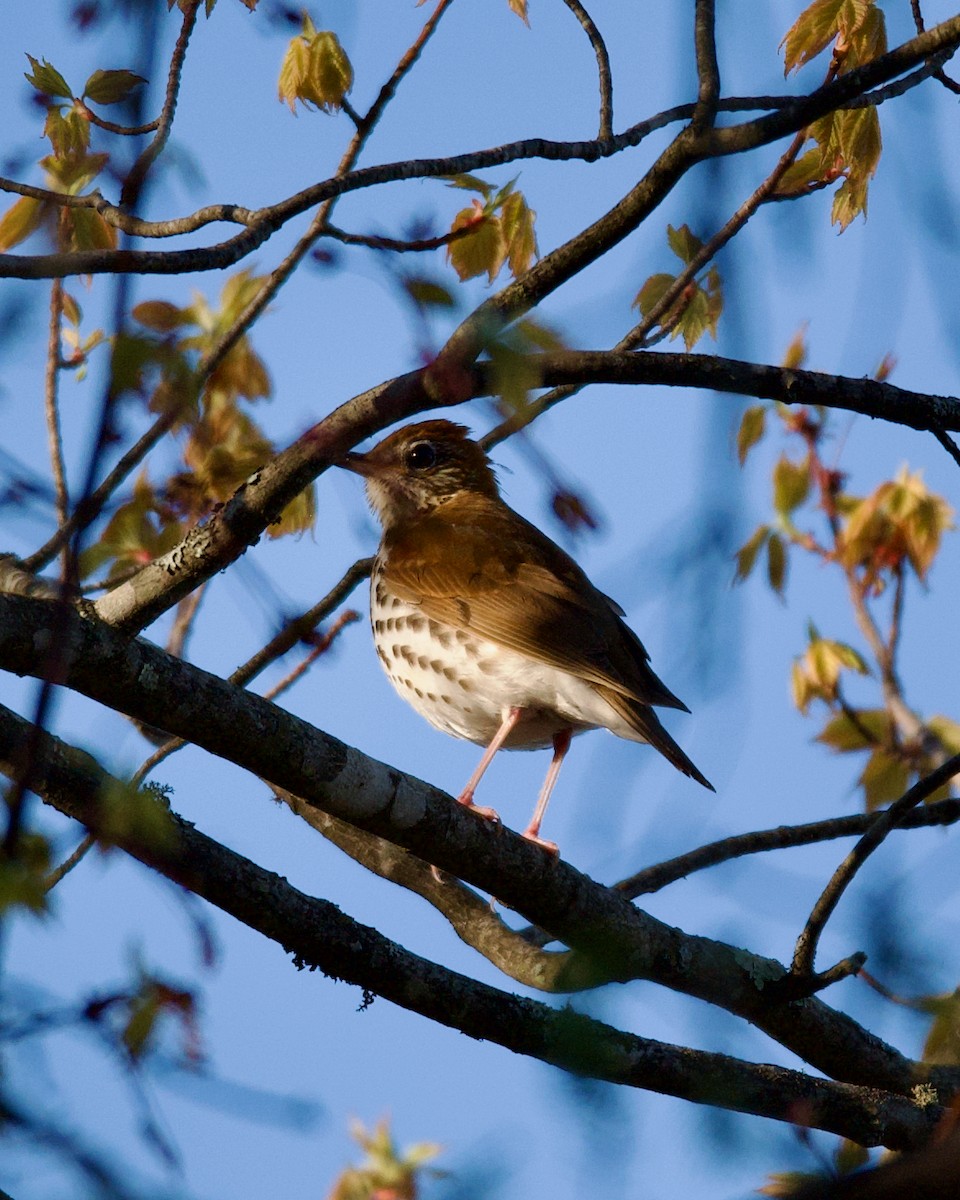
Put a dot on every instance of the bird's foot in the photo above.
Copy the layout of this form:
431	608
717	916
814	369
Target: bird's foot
551	847
466	799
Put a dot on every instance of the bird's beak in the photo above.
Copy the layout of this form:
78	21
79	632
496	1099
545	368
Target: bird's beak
358	463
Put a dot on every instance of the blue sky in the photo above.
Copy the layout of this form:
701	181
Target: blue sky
289	1057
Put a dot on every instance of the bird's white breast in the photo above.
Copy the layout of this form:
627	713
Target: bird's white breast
465	685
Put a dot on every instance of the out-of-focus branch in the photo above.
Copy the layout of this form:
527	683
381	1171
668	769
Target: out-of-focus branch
806	947
138	172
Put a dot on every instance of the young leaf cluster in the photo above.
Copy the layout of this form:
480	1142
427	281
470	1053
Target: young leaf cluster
697	309
874	542
847	142
499	229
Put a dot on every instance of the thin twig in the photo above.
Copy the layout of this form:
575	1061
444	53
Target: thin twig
294	631
603	68
138	172
376	242
939	74
51	404
783	837
639	335
51	880
947	442
183	621
285	269
111	126
890	818
89	509
347	617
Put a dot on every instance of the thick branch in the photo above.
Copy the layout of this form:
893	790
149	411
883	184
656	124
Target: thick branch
319	935
135	677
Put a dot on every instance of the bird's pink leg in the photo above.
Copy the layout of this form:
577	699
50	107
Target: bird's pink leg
561	744
466	796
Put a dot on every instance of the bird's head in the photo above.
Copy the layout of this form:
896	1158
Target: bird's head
420	467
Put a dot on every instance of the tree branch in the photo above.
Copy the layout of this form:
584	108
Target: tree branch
806	948
320	936
139	679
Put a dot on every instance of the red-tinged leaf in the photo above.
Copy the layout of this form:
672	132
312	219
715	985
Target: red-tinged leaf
811	33
111	87
48	80
517	221
683	243
520	8
747	554
791	485
481	252
753	423
776	563
160	315
24	217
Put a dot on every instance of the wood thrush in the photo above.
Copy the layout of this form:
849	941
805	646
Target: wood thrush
488	628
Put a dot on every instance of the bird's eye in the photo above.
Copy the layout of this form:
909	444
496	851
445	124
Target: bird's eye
422	456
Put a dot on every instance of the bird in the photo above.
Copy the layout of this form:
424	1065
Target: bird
488	628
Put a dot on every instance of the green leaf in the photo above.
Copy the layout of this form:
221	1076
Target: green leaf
517	222
752	426
90	230
426	293
870	728
811	33
652	293
776	562
48	80
471	183
947	731
160	315
110	87
683	243
747	554
331	74
24	217
942	1045
791	485
884	778
481	252
298	516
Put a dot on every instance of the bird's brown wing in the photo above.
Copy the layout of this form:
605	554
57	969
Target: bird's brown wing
480	566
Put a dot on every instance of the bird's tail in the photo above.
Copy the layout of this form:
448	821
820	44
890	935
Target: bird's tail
646	724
